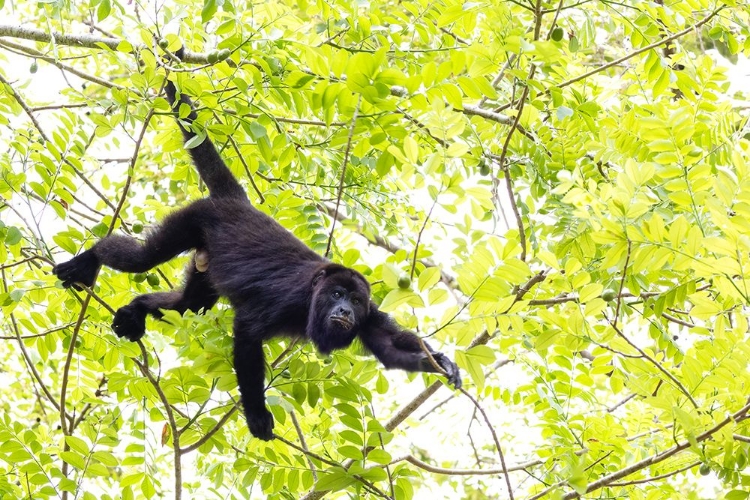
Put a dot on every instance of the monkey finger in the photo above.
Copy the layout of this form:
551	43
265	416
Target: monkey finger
455	379
72	284
457	383
452	372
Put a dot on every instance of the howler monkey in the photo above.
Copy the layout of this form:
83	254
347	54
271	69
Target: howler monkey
274	282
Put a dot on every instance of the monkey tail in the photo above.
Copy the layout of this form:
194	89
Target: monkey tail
212	169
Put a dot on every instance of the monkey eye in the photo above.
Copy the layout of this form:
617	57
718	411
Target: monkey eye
336	295
356	301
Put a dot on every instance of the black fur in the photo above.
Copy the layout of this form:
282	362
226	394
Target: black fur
275	283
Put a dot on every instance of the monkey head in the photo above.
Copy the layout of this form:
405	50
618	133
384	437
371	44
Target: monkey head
339	307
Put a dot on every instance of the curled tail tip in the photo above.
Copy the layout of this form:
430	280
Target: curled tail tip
169	87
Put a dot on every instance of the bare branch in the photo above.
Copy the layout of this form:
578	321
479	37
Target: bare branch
464	472
84	41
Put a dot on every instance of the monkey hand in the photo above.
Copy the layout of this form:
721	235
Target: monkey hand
81	269
130	322
449	367
260	422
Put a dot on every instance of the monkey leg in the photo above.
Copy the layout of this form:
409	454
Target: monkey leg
179	232
197	294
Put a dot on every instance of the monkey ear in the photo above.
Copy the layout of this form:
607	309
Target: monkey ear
318	277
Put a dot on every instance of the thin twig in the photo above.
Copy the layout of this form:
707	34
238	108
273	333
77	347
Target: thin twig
43	334
379	241
62	67
307	453
613	323
655	478
419	238
170	417
81	416
620	403
26	356
658	43
301	436
624	58
23	105
343	173
261	198
464	472
213	431
494	437
499	364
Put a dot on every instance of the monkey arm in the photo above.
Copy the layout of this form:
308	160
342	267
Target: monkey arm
250	366
399	348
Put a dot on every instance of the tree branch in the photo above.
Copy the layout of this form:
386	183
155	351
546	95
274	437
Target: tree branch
659	457
83	41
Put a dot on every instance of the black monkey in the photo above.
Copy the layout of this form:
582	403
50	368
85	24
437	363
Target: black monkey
274	282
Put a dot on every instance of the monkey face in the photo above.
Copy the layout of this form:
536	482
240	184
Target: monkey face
338	310
346	309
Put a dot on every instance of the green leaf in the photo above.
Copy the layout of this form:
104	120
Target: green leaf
452	94
398	297
352	437
563	112
100	230
472	366
208	11
382	384
482	353
13	236
428	278
17	294
77	444
351	452
103	10
73	459
379	456
661	83
195	141
67	484
106	458
333	481
111	359
298	79
226	27
313	395
131	479
147	487
589	292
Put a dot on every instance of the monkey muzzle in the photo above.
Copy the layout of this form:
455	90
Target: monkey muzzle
343	321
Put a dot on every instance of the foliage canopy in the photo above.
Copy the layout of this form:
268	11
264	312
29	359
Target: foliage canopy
558	191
